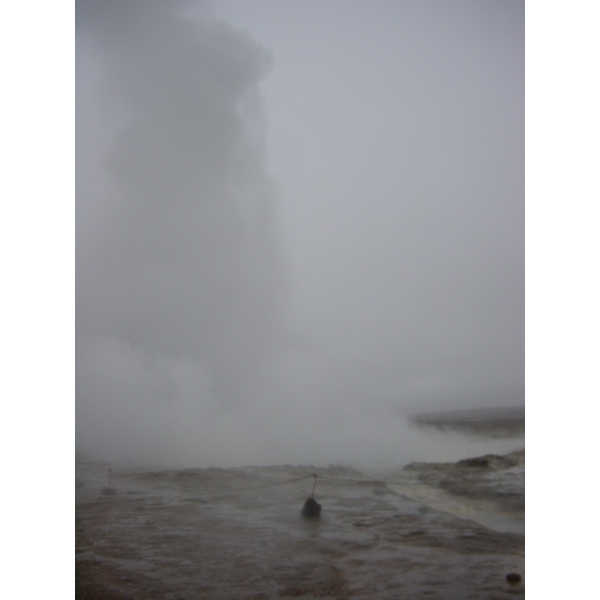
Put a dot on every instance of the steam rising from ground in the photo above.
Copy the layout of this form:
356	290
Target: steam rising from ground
184	264
183	358
180	278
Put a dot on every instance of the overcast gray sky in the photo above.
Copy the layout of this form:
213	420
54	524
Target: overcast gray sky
295	221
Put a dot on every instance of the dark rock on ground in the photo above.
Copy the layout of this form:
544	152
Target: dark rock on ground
481	461
311	508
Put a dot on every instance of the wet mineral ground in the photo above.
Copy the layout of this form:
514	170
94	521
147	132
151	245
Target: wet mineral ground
445	530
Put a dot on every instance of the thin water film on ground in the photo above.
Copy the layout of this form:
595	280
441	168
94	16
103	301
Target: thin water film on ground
426	530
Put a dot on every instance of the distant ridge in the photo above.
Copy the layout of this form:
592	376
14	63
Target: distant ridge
500	421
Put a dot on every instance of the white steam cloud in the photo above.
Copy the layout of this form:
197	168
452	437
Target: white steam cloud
182	353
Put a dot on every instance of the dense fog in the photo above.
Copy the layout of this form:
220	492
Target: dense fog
296	223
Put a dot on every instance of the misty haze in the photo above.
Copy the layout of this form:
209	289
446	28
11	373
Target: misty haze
300	241
244	302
